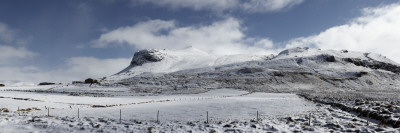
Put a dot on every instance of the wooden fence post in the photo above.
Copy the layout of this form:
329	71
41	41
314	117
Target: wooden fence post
309	120
207	116
367	119
257	116
158	113
78	112
48	111
120	115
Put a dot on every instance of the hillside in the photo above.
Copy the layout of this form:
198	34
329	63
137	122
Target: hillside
292	70
328	91
167	61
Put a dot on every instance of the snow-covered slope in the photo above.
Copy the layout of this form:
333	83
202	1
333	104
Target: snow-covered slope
153	61
307	52
291	70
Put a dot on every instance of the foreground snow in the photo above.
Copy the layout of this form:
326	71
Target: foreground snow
221	104
103	113
323	119
229	111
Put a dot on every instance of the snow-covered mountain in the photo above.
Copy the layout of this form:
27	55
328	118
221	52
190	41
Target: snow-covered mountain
291	70
153	61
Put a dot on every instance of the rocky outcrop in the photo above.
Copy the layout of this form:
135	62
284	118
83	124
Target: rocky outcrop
373	64
293	50
147	56
46	83
90	81
328	58
250	70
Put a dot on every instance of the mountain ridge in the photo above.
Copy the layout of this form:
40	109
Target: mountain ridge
292	70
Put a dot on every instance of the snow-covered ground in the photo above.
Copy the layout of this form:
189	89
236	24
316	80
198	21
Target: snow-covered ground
221	105
228	110
323	118
182	88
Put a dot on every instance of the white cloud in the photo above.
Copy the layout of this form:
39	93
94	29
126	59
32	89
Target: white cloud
264	43
222	37
269	5
376	31
9	55
90	67
223	5
6	34
76	68
14	70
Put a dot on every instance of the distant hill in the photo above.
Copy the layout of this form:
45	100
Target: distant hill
292	70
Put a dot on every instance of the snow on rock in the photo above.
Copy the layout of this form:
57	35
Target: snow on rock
294	50
193	71
309	52
167	61
147	55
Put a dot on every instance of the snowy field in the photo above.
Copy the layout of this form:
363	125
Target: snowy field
221	104
228	110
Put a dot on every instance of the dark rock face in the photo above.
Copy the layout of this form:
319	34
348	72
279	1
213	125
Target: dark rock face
360	74
299	60
250	70
329	58
326	58
373	64
355	61
148	55
90	81
2	85
77	82
46	83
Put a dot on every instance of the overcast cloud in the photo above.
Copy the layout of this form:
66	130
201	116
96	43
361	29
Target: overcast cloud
250	6
6	34
376	31
8	54
14	70
224	37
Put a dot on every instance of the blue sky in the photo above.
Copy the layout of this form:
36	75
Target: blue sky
43	39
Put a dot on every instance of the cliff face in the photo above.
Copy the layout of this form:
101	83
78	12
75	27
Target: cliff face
147	56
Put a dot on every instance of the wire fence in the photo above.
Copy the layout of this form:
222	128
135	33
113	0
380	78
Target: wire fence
125	115
195	109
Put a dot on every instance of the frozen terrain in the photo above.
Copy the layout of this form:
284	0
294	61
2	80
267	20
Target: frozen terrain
167	61
298	90
222	105
293	70
229	111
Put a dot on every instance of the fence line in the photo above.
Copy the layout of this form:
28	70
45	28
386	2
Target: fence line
207	119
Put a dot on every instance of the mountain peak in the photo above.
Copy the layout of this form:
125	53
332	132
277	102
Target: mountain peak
294	50
147	55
